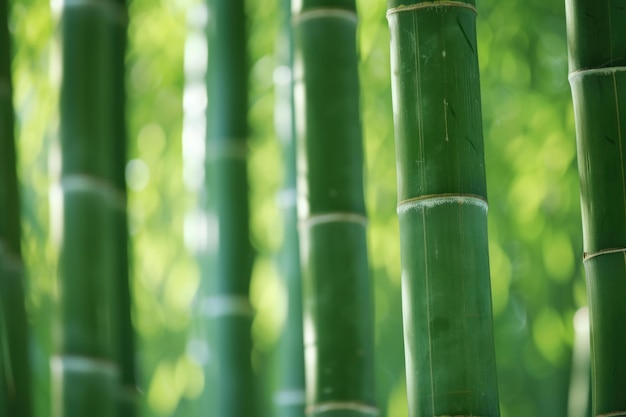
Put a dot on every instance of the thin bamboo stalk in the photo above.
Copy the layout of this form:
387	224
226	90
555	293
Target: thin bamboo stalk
289	396
227	307
93	264
597	64
127	394
338	317
15	398
450	360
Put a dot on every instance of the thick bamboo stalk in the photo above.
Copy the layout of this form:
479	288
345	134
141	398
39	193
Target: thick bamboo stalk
338	318
442	209
227	307
93	265
597	64
289	397
14	368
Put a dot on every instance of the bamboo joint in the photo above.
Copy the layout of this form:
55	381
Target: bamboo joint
335	217
430	5
226	305
80	183
588	256
325	12
342	405
433	200
84	364
595	71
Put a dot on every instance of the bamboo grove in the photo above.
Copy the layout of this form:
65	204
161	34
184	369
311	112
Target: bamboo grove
290	291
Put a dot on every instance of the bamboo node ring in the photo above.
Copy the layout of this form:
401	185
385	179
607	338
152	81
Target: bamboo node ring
225	305
336	13
433	200
595	71
430	5
334	217
588	256
342	405
83	364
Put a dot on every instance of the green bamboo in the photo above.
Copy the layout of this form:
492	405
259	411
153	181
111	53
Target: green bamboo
93	264
338	317
14	363
227	306
442	209
289	396
127	394
597	64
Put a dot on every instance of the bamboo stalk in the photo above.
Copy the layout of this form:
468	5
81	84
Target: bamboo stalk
15	397
597	64
289	397
93	264
338	318
127	394
442	210
227	307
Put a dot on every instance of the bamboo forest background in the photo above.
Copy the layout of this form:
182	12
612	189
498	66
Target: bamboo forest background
534	217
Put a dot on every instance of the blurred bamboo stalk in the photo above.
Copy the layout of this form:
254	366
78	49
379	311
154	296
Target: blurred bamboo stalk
127	393
442	209
227	307
597	65
94	370
338	316
289	395
15	396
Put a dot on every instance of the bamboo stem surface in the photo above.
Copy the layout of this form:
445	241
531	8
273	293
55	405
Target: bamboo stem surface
597	64
448	331
338	317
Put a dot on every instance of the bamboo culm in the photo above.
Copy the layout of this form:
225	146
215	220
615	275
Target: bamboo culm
442	209
338	316
124	342
225	302
289	397
93	372
15	396
597	65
